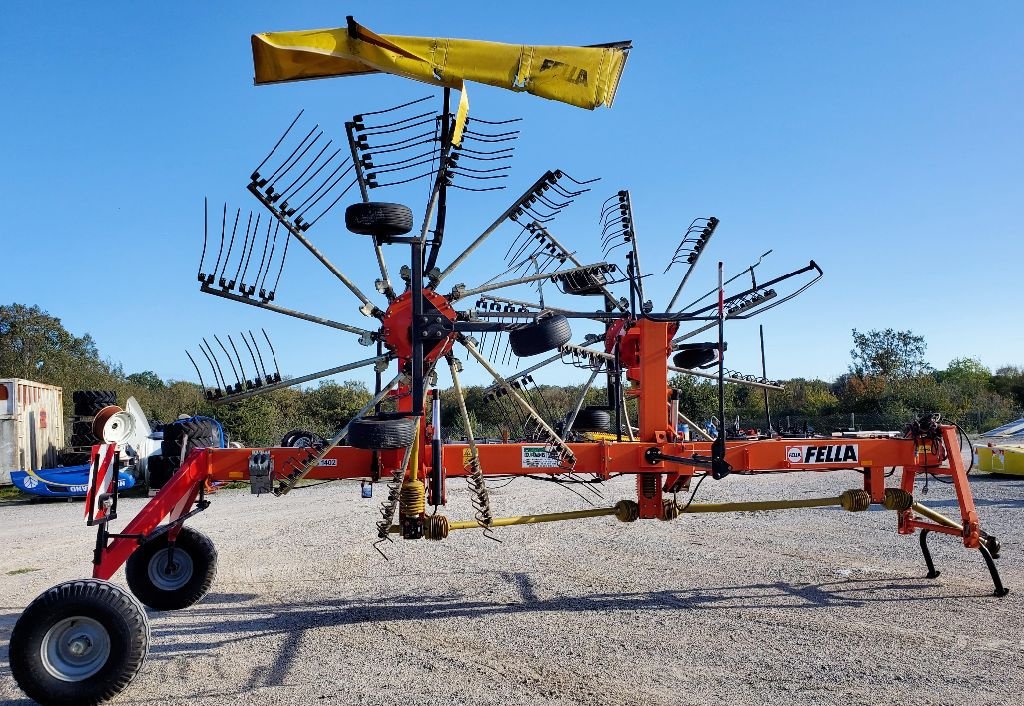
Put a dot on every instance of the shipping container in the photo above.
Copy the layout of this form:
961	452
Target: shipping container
31	426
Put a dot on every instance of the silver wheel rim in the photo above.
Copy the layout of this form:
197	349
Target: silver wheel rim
75	649
170	572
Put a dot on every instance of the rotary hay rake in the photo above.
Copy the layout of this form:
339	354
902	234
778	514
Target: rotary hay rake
84	641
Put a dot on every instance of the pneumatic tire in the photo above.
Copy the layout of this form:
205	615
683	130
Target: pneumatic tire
541	336
593	419
201	433
80	643
171	580
382	431
379	219
301	438
88	402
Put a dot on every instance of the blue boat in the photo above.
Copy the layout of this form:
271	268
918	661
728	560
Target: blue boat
64	482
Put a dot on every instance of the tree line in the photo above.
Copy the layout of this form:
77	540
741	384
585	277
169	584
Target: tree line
888	381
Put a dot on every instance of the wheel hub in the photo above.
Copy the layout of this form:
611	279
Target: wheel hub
75	649
397	323
169	573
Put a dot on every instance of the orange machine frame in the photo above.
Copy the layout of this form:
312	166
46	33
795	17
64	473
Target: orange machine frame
644	349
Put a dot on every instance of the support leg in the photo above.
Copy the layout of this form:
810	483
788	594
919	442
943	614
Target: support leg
1000	590
932	573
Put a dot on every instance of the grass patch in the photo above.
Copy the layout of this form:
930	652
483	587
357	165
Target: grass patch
22	571
10	492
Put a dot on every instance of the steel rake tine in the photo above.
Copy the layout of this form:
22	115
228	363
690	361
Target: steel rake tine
367	128
258	353
206	230
245	379
230	362
270	260
241	258
274	175
256	369
214	363
276	145
333	203
272	352
317	192
279	194
263	257
280	269
227	257
201	382
360	116
220	250
304	208
285	194
364	146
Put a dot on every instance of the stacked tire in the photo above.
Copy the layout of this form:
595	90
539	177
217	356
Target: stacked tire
180	438
86	404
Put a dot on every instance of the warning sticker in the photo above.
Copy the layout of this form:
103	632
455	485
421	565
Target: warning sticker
540	457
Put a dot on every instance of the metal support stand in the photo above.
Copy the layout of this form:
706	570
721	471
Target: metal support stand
932	572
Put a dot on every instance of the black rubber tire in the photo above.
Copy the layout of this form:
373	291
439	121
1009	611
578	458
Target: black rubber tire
593	419
88	402
201	433
158	472
541	336
152	556
377	218
695	358
119	614
89	439
302	439
81	428
68	457
383	431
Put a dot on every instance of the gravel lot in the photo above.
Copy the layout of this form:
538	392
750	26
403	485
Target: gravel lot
802	607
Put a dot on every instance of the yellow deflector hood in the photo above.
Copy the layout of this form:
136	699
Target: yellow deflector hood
582	76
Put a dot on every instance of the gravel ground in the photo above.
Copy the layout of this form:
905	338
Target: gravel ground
801	607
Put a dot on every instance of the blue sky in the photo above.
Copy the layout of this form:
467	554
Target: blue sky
880	139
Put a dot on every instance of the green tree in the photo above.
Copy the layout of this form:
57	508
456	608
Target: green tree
888	354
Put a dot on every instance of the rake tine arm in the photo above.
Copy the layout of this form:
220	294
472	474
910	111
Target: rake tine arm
367	334
285	485
291	382
459	293
766	385
545	180
368	308
555	440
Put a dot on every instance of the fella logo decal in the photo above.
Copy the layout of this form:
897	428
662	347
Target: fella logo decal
831	453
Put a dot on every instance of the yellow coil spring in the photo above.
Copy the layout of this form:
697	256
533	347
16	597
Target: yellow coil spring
855	500
412	501
897	499
435	527
627	511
